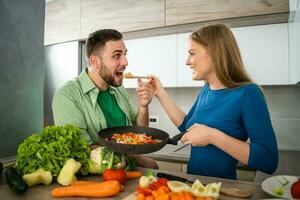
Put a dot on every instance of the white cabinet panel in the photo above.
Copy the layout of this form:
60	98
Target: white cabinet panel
294	42
265	52
153	55
184	71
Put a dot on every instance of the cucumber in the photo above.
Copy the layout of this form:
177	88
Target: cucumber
15	181
1	168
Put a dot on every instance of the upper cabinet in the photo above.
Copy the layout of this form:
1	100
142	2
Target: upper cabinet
189	11
62	21
265	52
153	55
126	15
68	20
294	43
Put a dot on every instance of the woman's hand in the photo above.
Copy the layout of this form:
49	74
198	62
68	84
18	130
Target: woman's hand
158	89
199	135
144	93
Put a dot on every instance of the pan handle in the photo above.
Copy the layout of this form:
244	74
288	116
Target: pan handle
176	138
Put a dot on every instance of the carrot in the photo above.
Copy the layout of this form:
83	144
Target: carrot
140	196
84	182
188	196
133	174
101	189
149	197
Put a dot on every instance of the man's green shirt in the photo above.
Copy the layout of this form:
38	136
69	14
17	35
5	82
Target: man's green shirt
76	103
114	116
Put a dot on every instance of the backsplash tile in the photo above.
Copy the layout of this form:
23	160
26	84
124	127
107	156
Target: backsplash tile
285	102
287	133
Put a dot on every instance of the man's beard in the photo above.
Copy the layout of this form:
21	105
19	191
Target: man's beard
107	77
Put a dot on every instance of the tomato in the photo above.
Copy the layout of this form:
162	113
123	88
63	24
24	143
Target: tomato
114	174
145	191
295	189
157	184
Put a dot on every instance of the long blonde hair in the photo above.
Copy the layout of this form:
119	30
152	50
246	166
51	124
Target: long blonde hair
225	54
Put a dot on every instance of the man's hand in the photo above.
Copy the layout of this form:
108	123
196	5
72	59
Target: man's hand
144	93
146	162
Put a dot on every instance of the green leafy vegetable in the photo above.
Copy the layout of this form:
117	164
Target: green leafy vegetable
51	149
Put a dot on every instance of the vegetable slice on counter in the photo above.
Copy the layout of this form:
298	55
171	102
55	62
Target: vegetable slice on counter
37	177
67	174
15	181
177	186
101	189
210	190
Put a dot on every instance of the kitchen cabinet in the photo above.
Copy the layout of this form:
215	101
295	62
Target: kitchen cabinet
294	43
68	20
62	21
126	15
153	55
183	71
265	52
188	11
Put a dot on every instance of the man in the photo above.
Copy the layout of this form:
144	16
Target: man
96	99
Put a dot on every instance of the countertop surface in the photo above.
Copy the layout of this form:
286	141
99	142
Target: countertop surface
172	153
42	192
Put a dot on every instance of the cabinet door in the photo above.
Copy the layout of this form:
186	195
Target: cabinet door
153	55
62	21
265	52
184	71
125	15
294	42
189	11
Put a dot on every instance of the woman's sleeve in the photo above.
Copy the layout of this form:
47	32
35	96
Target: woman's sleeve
182	126
263	147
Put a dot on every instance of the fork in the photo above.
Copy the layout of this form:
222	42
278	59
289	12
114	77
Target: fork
282	180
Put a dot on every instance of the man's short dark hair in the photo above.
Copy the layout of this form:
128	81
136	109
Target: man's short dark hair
98	39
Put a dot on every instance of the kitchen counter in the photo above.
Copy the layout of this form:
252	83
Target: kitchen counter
42	192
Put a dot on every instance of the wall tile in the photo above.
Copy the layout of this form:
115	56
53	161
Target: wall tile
286	102
287	132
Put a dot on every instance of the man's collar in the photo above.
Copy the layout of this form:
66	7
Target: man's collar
88	84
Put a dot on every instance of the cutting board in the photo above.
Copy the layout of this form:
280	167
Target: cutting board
132	196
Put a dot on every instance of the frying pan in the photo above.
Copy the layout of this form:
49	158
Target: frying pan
106	134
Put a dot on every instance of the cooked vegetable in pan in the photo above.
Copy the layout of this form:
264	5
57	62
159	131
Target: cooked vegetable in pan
134	138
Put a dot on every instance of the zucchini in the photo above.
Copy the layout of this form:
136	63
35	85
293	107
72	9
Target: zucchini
1	168
15	181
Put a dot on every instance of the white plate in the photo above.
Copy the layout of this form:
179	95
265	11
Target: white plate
270	183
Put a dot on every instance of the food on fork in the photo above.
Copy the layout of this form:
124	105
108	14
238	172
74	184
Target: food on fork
131	75
128	75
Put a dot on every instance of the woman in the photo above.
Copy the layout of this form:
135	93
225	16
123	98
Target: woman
229	109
